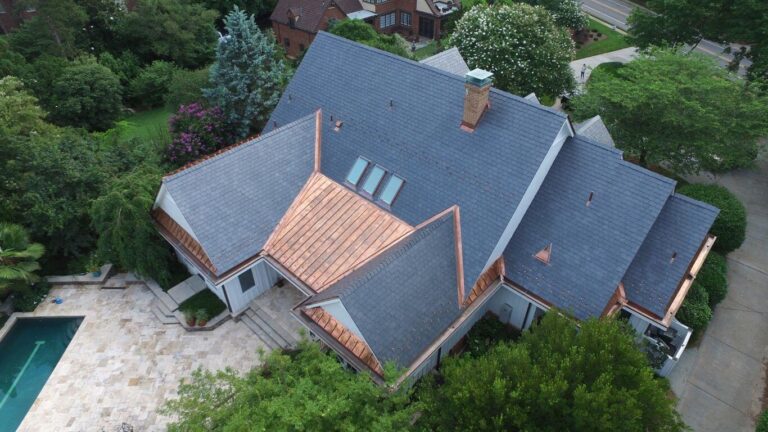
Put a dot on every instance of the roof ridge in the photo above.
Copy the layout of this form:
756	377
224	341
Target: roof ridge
408	61
647	172
231	149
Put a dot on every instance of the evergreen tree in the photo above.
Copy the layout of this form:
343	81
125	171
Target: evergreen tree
248	74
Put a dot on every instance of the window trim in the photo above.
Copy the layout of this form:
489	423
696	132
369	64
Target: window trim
367	166
392	15
410	19
240	280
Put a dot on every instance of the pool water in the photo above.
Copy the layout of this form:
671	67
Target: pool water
28	354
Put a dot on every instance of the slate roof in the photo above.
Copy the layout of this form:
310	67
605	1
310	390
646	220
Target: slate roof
405	116
449	61
403	299
653	278
310	12
596	130
592	246
223	198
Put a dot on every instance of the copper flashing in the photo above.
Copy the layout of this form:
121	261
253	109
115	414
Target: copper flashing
545	254
182	238
690	276
210	156
492	274
318	138
350	341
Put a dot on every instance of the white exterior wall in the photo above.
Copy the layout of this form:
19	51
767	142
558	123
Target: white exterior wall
165	201
264	277
513	308
530	193
336	308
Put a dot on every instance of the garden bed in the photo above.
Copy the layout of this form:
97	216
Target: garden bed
598	38
204	304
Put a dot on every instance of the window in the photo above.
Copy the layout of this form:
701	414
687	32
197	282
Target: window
391	189
373	180
387	20
286	42
405	19
246	280
357	171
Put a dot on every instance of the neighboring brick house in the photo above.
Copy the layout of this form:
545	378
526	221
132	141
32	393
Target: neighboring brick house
404	201
11	15
296	22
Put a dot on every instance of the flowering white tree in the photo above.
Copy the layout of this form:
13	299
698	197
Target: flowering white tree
520	44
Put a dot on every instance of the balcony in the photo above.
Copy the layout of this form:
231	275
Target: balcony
665	347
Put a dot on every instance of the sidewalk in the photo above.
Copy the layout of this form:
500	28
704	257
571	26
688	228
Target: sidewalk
622	56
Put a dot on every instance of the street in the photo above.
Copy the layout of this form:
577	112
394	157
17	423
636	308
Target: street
615	12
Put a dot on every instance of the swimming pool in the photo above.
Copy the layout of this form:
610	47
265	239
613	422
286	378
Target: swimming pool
28	354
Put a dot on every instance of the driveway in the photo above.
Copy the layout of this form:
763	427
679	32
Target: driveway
720	382
616	12
122	363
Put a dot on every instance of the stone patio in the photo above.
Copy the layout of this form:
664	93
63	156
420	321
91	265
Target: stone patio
123	363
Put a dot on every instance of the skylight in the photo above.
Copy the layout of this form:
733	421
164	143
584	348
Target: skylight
389	193
373	180
357	171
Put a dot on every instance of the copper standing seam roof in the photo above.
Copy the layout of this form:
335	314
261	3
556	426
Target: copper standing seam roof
345	337
329	230
175	231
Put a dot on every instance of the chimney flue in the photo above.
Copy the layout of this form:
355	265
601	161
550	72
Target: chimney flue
477	85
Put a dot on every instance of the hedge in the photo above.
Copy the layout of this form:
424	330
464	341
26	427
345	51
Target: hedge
762	422
713	278
731	224
695	312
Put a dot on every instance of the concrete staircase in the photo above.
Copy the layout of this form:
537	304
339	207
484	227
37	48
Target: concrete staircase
268	329
163	306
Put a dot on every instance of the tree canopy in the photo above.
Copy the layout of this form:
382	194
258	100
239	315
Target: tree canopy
555	378
684	111
520	44
306	390
360	31
86	95
248	75
18	257
566	13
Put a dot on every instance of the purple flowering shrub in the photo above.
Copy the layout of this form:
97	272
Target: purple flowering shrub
196	131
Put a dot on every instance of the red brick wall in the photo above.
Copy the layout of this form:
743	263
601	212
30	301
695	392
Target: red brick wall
10	18
294	40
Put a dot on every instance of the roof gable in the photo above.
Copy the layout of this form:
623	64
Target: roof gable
485	172
233	200
449	61
309	13
591	245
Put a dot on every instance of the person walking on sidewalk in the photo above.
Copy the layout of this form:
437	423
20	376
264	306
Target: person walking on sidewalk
583	71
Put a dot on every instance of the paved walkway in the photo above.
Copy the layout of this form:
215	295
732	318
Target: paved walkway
622	56
720	383
123	363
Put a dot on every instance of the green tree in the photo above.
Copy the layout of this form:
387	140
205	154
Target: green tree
180	31
680	110
304	390
11	62
248	75
674	22
150	87
186	87
567	13
730	227
695	311
86	95
360	31
56	29
40	76
257	8
557	377
18	257
520	44
127	236
20	114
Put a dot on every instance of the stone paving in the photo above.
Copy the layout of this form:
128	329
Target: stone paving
123	363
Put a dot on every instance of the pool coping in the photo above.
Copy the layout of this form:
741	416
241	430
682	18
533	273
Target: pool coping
21	315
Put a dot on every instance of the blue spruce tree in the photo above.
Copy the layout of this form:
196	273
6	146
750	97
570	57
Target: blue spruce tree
248	75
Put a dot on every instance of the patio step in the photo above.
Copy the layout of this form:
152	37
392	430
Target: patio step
161	295
115	282
273	324
259	331
162	313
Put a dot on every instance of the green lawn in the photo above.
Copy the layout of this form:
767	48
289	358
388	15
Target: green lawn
422	53
147	125
614	41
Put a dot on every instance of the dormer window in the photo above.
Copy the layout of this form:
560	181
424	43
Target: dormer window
356	173
373	180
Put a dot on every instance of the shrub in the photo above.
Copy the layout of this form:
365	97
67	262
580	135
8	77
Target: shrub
206	301
488	332
713	278
86	95
150	87
762	422
186	87
195	132
695	312
27	300
731	224
125	67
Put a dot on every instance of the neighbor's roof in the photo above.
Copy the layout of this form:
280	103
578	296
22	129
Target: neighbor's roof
449	61
233	201
329	230
596	130
404	298
654	276
592	245
310	12
405	116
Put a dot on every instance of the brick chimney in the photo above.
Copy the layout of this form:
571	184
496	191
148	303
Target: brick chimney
477	86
